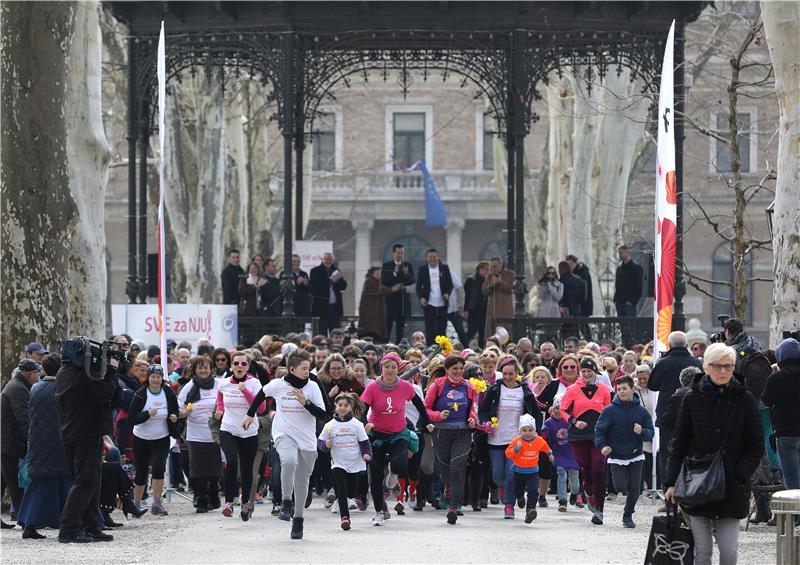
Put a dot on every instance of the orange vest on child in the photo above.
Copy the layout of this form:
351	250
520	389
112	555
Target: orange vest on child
528	455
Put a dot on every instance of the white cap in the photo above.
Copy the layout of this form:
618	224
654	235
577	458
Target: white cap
526	420
287	348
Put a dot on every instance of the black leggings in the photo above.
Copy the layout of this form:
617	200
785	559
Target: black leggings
238	451
347	485
452	446
396	455
150	453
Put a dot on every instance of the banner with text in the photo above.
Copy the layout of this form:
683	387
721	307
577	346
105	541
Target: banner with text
218	323
310	252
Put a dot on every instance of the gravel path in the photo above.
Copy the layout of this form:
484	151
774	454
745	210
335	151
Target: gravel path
185	537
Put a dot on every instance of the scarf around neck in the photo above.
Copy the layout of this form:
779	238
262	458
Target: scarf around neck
204	384
384	386
296	382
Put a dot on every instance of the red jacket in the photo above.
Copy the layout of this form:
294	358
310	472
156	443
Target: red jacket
584	403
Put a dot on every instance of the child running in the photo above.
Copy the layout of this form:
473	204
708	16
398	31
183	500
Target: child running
555	432
346	440
524	451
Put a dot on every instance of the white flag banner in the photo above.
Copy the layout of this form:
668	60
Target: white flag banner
162	290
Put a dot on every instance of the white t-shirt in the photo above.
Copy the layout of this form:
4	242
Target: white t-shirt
156	426
435	297
345	451
509	409
412	414
291	418
197	421
236	405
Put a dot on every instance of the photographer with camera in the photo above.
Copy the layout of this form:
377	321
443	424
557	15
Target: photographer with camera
551	291
86	389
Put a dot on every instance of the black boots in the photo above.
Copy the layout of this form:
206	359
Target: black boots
109	521
297	528
202	505
285	513
129	507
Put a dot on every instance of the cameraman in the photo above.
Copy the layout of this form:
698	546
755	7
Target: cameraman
551	291
84	408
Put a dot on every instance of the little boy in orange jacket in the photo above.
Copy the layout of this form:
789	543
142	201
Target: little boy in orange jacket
524	451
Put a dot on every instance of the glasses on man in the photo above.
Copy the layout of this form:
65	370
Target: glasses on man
721	366
241	363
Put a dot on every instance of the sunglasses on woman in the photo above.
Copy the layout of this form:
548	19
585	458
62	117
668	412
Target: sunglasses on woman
569	366
241	363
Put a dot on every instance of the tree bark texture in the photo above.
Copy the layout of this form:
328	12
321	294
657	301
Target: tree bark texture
782	29
53	160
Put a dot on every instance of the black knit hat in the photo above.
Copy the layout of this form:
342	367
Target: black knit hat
589	363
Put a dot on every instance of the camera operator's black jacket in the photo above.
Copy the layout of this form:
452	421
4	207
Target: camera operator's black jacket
84	405
137	415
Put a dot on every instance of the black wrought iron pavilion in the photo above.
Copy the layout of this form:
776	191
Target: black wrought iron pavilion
301	50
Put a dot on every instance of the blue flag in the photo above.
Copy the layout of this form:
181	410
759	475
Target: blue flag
435	213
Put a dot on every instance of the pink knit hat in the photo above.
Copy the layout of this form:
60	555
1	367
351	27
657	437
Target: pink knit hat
391	356
467	352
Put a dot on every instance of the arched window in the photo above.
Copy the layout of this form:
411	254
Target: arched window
722	270
415	248
497	248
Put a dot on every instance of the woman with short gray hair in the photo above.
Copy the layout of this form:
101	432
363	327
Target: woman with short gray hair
718	413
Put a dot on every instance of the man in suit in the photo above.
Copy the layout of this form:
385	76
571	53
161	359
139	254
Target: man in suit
230	278
271	299
325	286
434	285
302	306
398	302
581	271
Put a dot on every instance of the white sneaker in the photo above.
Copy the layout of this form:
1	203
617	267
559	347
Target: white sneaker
378	519
329	501
390	481
334	508
351	503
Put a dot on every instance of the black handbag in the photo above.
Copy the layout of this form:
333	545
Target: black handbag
702	479
670	542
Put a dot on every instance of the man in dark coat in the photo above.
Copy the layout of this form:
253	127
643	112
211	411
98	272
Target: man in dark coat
302	302
475	304
574	290
84	417
325	287
230	278
271	299
398	302
627	284
665	379
434	285
14	405
581	271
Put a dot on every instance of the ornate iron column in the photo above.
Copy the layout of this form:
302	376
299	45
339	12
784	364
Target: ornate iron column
132	284
299	143
678	317
288	109
520	81
143	144
509	144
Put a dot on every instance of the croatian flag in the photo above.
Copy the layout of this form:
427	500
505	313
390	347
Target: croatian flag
435	213
162	290
666	200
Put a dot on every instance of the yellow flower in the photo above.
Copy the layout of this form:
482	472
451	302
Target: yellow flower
455	406
479	384
189	406
494	421
444	343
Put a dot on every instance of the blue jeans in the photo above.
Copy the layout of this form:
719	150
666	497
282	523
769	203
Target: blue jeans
502	475
561	483
789	456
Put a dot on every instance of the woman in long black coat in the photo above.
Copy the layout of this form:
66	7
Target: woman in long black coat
715	403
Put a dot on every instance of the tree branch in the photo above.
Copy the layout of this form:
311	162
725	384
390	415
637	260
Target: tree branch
714	225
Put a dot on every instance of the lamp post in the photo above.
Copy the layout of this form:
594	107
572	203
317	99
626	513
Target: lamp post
607	288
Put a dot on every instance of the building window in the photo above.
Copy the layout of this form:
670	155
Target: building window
488	143
415	249
722	271
323	142
408	141
723	152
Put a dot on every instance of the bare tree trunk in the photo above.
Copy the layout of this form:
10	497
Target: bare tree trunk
53	258
782	28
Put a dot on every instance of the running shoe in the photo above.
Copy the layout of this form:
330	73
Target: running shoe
573	498
391	481
334	509
452	515
627	521
352	504
611	496
245	513
521	502
329	502
227	510
494	496
275	508
508	514
285	512
594	510
530	515
562	505
459	510
543	502
579	502
598	521
345	522
377	520
386	514
400	509
362	505
259	499
158	510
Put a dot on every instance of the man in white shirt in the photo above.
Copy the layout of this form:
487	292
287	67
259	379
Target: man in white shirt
455	308
434	286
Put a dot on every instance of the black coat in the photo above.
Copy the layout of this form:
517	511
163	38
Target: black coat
669	418
45	452
702	421
423	287
397	303
782	395
85	405
302	301
230	283
582	272
14	406
271	300
628	283
488	407
474	300
137	414
665	376
574	295
319	287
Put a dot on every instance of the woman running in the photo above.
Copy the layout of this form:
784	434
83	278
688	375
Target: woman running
450	401
582	405
154	413
298	406
234	395
505	402
196	402
385	399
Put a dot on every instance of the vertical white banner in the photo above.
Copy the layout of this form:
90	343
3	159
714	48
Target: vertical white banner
162	291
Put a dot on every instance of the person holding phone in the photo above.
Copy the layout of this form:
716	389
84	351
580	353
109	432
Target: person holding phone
325	287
